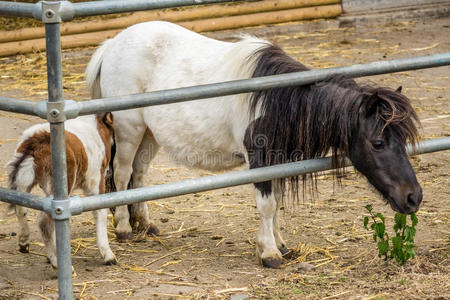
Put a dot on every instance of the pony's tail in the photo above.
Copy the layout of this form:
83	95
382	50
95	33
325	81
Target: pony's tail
93	71
21	175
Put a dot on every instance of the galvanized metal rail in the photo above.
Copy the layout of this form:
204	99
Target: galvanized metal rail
56	111
79	205
67	11
73	109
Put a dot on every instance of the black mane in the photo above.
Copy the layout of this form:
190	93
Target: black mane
306	122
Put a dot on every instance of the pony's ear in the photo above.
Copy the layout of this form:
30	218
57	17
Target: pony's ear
369	104
399	89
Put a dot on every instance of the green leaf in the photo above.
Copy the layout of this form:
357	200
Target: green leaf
397	243
410	233
400	220
383	247
398	251
409	245
414	220
410	254
369	207
366	221
401	256
380	215
379	229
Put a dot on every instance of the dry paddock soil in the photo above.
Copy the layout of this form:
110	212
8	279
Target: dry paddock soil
206	249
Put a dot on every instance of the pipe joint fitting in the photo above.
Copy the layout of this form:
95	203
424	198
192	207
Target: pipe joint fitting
53	11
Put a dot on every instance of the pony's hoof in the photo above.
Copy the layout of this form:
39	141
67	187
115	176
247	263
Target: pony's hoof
124	237
284	250
24	248
273	263
111	262
152	230
54	265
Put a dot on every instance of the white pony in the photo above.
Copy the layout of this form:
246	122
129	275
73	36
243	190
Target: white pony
89	141
261	128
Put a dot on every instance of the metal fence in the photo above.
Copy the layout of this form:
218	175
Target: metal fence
56	110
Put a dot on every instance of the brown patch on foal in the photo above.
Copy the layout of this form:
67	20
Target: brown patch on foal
106	131
38	146
77	161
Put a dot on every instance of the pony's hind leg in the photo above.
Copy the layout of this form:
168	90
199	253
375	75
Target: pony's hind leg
144	155
24	231
129	131
266	246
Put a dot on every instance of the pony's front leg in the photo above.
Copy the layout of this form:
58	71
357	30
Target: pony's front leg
281	245
101	220
24	231
266	247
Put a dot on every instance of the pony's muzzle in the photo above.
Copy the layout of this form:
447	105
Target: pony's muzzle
413	201
408	202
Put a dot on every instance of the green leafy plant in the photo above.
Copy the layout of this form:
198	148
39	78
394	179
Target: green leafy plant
401	246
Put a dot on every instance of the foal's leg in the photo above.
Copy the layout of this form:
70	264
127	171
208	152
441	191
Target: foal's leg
129	131
24	233
101	220
144	155
266	246
21	214
47	227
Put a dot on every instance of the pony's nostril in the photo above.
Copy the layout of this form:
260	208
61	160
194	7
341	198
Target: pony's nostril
413	200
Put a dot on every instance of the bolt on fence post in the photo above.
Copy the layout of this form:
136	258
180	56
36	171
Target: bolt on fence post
56	117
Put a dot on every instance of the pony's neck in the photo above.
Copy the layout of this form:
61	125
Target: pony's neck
302	122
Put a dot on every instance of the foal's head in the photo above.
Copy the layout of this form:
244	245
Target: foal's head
386	121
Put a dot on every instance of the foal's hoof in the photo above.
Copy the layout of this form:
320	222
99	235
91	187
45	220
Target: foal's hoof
24	248
111	262
124	237
273	263
152	230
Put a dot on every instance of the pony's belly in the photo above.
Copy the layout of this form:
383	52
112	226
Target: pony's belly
196	134
214	159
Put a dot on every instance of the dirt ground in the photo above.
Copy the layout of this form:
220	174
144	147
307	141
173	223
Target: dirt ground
206	249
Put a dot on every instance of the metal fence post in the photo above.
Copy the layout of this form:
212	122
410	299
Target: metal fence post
56	117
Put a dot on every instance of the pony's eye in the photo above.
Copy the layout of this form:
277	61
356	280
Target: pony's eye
378	144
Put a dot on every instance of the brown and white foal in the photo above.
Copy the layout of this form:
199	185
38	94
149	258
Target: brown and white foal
89	140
